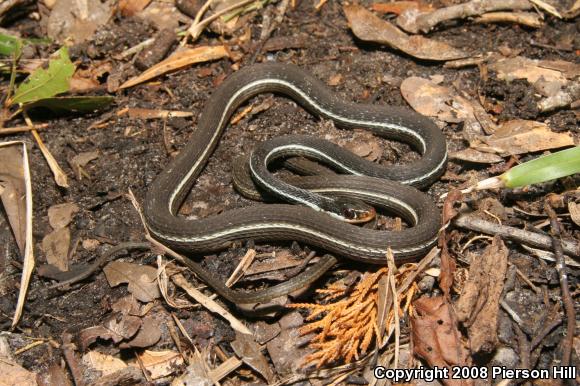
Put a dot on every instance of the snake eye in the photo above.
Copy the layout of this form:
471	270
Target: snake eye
349	213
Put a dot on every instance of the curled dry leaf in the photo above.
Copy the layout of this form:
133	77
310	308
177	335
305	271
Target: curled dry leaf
142	279
148	334
478	305
436	338
249	350
61	215
574	210
367	26
56	245
179	60
521	136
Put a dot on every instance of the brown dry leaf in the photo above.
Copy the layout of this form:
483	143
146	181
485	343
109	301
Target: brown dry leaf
436	338
78	20
367	26
132	7
106	364
13	193
574	210
478	305
475	156
288	349
249	350
433	100
142	279
160	363
398	7
79	161
61	215
179	60
148	334
19	198
164	14
122	328
521	136
532	70
14	374
56	245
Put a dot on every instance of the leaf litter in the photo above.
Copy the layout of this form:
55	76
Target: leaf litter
476	133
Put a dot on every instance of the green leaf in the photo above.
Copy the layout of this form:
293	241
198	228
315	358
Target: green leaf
556	165
75	104
10	45
47	83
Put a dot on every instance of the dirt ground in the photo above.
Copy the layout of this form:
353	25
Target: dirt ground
131	152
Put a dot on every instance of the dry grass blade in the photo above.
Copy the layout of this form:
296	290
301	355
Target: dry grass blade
28	258
210	304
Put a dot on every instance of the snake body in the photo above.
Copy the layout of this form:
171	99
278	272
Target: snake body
280	222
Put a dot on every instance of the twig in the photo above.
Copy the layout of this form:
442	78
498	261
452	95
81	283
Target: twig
562	274
525	18
71	359
545	331
425	22
474	223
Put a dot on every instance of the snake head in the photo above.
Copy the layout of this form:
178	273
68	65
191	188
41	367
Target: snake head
354	211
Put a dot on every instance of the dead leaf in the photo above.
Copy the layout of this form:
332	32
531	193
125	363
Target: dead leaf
532	70
433	100
61	215
22	191
521	136
367	26
179	60
56	245
142	279
160	363
78	20
288	349
106	364
132	7
79	161
335	80
122	329
13	193
475	156
574	210
148	334
249	350
398	7
478	304
14	374
436	338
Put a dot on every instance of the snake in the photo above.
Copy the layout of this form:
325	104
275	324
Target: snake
285	222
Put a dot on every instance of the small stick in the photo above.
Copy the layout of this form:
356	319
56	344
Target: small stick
474	223
566	298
